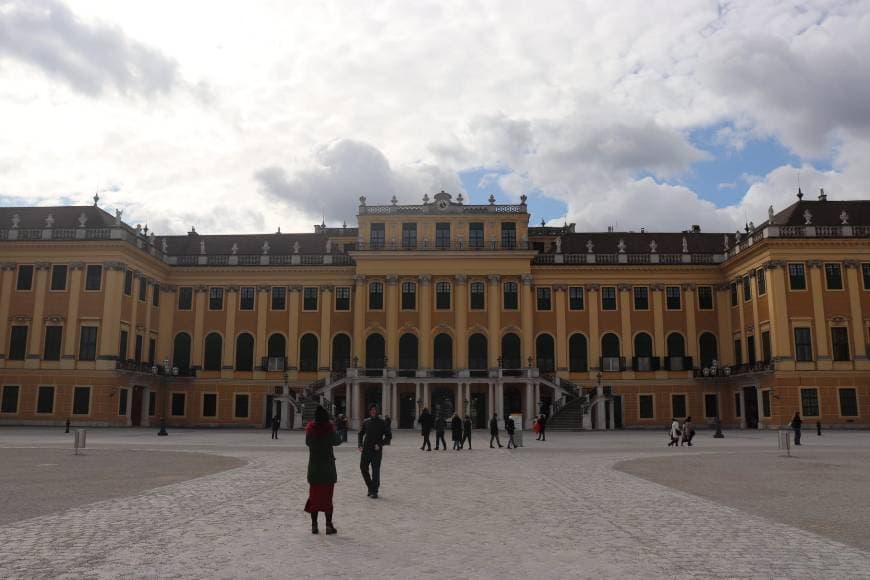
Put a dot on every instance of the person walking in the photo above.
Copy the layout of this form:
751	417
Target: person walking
674	432
688	431
493	431
321	437
373	435
341	426
466	431
796	425
542	427
456	432
276	424
426	422
440	426
389	421
510	427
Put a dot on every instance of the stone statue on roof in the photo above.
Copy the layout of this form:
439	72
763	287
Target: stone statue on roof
83	219
266	247
621	246
653	246
202	247
16	219
685	245
844	218
558	245
235	249
296	247
770	214
49	221
725	237
808	217
118	214
328	246
589	246
163	245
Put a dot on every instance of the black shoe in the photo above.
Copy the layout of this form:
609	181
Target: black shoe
500	446
373	495
330	529
492	446
314	529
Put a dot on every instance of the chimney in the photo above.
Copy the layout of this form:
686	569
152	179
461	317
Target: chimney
822	195
696	229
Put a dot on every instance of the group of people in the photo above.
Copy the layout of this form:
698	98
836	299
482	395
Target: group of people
681	434
460	430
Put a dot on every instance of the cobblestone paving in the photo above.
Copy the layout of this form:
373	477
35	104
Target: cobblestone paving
553	510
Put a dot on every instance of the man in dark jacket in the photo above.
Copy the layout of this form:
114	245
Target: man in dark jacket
466	432
440	426
276	424
542	423
373	435
796	425
456	432
510	426
426	423
493	430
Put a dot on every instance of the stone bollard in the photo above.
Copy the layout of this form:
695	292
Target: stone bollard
819	428
67	425
718	434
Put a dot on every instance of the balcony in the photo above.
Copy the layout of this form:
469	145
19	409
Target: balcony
442	246
645	363
274	364
717	372
678	363
612	364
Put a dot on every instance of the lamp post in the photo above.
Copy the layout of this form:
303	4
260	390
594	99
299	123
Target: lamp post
163	382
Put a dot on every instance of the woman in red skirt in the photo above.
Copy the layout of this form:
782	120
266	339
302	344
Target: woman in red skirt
320	436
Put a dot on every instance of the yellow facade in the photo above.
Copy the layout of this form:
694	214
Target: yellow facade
441	304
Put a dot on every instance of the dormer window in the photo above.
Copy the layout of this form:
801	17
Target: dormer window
508	235
377	236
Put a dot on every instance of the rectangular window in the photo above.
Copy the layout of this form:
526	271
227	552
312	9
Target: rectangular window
848	402
705	298
81	401
53	336
678	405
475	235
478	296
215	298
608	298
377	235
45	400
18	343
747	289
833	277
376	296
128	282
9	402
544	296
152	347
143	289
209	405
137	349
309	298
88	343
25	278
765	346
442	235
797	278
93	277
760	282
840	342
409	236
152	403
409	296
750	348
641	297
803	344
279	297
178	401
765	403
511	296
155	295
810	402
738	412
58	277
508	235
241	406
865	272
122	402
738	352
575	298
342	299
645	407
711	405
185	298
672	297
733	288
246	298
122	345
442	295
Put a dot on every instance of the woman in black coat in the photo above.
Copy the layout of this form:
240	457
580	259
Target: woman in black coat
440	426
320	437
466	431
426	421
456	428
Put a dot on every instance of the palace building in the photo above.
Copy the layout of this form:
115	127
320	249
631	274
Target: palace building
441	304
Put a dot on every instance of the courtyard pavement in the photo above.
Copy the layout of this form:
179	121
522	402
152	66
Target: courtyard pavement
581	505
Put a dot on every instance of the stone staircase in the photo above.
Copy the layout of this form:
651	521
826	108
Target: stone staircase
569	417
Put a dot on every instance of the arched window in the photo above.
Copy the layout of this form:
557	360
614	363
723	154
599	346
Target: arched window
643	349
610	357
375	347
676	352
308	353
477	352
340	352
545	353
181	351
245	352
443	352
708	349
408	350
577	354
213	352
277	346
511	353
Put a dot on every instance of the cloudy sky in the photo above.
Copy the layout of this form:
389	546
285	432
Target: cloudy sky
249	116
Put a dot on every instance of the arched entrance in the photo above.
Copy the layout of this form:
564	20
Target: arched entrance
443	351
513	401
308	353
408	357
676	352
375	351
477	355
340	353
181	351
643	352
443	402
244	352
610	358
708	349
511	353
276	352
545	353
213	352
407	410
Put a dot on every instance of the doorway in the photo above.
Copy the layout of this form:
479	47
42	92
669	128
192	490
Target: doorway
617	412
750	407
136	408
267	422
407	406
443	402
478	410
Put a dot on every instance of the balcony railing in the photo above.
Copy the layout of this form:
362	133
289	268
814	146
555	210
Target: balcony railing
451	246
274	364
612	364
728	371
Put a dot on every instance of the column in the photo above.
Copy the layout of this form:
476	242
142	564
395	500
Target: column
537	400
426	401
600	407
138	280
592	306
755	322
777	304
111	320
149	300
262	304
354	407
658	323
164	328
418	398
691	326
394	398
490	403
325	347
627	346
392	305
726	338
744	351
425	321
293	329
499	398
8	276
460	311
359	320
229	354
493	311
856	320
37	326
561	333
528	311
530	404
386	398
68	355
820	336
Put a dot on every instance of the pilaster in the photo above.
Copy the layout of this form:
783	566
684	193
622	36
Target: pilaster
461	321
293	329
690	304
199	297
70	330
325	348
725	338
359	312
560	292
107	349
493	312
37	327
425	321
7	276
231	297
820	334
392	306
527	305
856	322
593	304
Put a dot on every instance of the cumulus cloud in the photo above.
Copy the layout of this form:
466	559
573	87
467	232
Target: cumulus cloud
89	57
